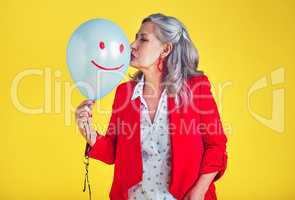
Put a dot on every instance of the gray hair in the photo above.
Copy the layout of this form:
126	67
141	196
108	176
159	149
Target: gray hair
183	60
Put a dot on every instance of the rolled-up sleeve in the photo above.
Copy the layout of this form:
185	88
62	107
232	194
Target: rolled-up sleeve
214	140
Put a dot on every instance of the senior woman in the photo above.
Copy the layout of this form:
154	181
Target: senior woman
165	135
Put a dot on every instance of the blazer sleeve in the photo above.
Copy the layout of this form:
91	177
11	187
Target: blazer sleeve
104	148
214	140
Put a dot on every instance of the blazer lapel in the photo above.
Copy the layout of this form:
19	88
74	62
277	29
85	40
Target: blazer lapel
173	116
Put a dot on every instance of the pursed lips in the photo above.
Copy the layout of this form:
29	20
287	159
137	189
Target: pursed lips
133	55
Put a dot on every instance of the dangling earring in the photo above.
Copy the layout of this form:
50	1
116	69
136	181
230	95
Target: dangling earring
158	64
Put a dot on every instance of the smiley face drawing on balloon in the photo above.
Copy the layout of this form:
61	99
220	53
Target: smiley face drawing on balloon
98	55
102	47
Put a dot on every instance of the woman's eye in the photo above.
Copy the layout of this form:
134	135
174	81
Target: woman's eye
143	40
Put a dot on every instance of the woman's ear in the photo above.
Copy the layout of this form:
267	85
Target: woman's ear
166	50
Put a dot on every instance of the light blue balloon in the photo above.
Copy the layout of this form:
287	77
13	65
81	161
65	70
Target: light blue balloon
98	55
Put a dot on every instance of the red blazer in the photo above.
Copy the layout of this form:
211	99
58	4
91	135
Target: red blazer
198	143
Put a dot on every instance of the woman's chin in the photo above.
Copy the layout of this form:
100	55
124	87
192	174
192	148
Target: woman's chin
134	65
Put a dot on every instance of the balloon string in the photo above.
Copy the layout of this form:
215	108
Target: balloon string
86	178
86	162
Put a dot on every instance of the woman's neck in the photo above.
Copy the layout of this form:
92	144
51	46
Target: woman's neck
152	84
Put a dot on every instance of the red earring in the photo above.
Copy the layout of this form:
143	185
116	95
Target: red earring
158	64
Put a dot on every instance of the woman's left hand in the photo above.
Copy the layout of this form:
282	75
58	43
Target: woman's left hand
199	190
195	194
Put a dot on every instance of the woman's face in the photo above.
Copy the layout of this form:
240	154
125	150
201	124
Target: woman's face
146	48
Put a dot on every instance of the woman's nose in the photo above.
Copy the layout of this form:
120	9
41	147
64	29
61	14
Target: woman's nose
132	45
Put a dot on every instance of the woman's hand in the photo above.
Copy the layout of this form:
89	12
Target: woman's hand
195	194
201	187
83	117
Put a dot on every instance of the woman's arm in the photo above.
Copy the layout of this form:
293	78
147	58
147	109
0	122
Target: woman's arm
204	182
104	147
199	190
214	139
214	158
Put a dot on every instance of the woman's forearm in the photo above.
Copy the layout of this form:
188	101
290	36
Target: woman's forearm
204	181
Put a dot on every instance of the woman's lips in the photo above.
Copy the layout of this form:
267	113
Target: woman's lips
133	55
105	68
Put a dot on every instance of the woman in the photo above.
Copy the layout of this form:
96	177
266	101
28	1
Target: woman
162	135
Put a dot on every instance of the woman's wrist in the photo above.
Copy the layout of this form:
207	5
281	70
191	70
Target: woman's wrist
204	182
91	139
201	188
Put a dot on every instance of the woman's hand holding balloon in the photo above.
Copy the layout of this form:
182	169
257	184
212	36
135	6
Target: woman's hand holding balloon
84	121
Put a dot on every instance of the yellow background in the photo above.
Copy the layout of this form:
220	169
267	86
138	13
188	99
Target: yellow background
239	43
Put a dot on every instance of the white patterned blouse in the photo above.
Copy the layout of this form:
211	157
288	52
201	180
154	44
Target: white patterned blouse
155	145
